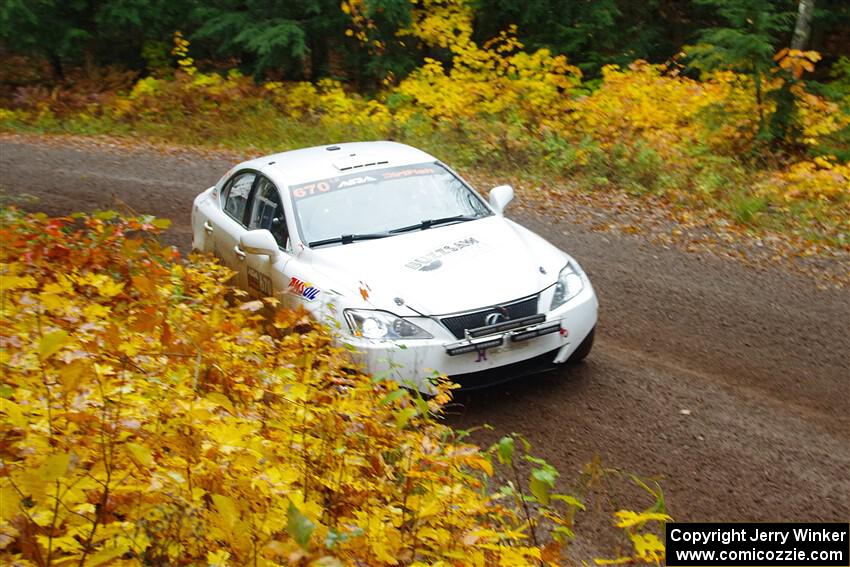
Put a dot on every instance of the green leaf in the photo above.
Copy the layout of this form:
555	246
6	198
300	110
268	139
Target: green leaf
422	405
570	500
334	537
51	343
393	396
659	506
542	482
536	460
299	526
161	223
506	450
561	534
540	490
526	446
404	416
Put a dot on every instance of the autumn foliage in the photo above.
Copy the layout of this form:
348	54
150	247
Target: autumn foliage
150	417
642	128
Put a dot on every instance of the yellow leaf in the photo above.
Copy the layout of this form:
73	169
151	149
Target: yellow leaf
107	554
226	508
15	282
221	400
70	375
140	454
482	464
648	546
51	343
143	284
52	301
13	413
96	312
629	519
10	502
54	467
618	561
220	557
104	284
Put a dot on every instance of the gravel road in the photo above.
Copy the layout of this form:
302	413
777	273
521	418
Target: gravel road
730	384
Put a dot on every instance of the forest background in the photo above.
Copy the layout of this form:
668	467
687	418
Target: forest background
734	108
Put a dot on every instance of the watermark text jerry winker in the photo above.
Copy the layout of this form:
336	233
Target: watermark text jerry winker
726	536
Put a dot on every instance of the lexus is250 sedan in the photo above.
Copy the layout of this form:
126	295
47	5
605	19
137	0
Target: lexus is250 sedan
420	274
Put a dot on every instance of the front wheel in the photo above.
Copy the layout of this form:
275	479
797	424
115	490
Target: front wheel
583	349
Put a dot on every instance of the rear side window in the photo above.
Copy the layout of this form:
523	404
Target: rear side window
267	212
236	195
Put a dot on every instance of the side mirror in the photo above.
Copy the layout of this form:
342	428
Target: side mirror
259	242
500	197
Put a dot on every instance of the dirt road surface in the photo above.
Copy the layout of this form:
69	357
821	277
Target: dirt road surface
730	384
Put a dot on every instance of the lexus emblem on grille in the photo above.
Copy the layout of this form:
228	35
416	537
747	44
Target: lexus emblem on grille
497	317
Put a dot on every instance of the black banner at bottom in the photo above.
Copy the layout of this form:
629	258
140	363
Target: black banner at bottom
758	545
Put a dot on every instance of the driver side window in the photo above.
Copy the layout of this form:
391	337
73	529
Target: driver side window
237	196
267	212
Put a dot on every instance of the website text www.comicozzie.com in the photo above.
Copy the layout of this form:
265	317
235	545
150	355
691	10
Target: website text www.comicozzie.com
804	544
688	556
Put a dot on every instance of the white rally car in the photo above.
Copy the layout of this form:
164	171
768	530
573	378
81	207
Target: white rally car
420	274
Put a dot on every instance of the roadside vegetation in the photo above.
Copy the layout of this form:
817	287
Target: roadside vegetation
145	418
730	125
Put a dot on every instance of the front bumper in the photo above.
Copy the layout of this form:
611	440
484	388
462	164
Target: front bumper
413	363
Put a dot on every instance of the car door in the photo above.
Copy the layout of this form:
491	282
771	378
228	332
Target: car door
266	277
229	224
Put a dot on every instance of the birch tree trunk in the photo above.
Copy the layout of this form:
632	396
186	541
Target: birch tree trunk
803	27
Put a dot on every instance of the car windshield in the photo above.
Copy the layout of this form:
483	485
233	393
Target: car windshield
382	203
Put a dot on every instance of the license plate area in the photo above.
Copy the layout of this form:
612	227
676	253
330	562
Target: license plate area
509	337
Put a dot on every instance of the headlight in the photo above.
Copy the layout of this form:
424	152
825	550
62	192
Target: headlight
382	325
568	286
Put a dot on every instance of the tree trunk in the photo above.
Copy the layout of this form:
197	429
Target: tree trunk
56	65
803	27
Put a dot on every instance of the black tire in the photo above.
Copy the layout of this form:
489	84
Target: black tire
583	349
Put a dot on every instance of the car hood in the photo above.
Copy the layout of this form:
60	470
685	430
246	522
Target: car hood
442	270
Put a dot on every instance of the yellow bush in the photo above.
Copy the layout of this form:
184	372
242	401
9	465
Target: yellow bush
146	420
819	179
649	103
499	80
820	117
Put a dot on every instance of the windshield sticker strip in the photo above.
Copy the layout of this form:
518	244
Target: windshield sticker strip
431	260
304	289
314	188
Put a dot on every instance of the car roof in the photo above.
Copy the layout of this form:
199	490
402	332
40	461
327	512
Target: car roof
323	162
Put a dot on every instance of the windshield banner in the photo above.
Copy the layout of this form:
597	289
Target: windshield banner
307	190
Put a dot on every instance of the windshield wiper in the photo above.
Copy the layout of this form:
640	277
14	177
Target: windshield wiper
433	222
349	238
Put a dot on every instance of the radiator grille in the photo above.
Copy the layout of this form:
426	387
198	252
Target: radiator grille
457	324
